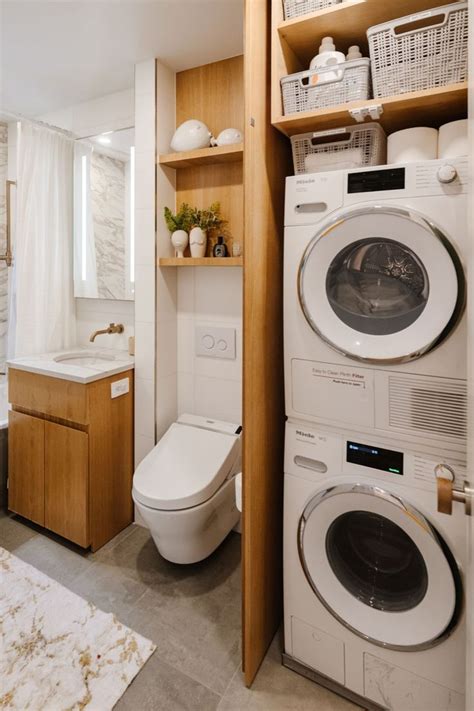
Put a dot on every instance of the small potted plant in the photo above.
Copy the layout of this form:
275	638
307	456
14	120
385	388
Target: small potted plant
202	221
179	225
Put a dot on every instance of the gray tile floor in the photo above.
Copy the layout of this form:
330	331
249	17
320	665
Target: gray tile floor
192	613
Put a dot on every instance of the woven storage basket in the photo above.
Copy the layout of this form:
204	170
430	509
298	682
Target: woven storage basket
317	88
406	57
295	8
339	149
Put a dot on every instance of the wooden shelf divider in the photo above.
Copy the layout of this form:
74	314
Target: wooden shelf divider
431	107
201	262
203	156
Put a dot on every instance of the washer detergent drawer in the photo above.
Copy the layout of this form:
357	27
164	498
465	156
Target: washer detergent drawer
331	392
318	650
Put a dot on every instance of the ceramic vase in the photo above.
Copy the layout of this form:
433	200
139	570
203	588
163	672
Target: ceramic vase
179	240
198	242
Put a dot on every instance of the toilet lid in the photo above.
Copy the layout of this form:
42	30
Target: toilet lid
186	468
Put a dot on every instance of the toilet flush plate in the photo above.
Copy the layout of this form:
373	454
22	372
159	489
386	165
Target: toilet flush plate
215	342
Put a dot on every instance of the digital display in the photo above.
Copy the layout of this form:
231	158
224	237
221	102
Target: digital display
368	455
373	181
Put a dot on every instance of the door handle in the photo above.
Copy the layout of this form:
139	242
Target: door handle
447	494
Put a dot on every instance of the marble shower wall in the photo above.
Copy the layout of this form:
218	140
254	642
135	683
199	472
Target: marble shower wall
3	231
108	200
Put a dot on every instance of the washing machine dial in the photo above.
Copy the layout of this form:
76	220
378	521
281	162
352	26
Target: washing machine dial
447	173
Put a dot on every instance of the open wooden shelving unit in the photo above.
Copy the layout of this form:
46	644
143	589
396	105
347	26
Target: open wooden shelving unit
201	262
203	156
296	41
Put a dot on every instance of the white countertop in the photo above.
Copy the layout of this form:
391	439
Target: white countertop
45	364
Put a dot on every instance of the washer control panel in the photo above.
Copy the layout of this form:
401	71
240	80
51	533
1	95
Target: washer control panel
315	455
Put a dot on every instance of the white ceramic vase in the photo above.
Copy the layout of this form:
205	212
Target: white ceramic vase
197	242
179	240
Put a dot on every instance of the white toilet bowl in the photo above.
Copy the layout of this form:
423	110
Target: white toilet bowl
184	488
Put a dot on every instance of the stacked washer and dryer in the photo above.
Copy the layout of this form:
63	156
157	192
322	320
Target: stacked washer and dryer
375	381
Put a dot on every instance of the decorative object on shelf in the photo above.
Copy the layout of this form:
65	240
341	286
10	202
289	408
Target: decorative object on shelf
328	86
327	55
228	137
339	149
295	8
179	225
236	249
220	249
191	135
412	144
203	221
453	139
420	51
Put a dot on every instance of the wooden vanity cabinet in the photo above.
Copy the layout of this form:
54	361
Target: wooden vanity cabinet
71	455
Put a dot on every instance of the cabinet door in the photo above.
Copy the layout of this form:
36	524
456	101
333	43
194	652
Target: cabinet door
67	483
26	466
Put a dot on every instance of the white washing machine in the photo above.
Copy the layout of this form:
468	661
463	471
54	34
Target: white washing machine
373	583
375	337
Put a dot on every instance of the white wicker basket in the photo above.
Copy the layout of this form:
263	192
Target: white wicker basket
409	57
317	88
339	149
295	8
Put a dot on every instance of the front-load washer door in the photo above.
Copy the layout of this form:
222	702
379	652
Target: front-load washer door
379	567
381	284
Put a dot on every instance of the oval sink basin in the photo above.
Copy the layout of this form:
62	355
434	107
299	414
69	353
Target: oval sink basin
84	358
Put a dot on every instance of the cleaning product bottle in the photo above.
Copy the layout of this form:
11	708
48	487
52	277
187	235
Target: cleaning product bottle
327	55
354	53
220	249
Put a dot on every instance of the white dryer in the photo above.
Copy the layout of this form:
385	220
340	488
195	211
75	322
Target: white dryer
374	300
373	585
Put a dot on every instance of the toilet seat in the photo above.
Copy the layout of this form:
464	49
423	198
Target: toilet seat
185	468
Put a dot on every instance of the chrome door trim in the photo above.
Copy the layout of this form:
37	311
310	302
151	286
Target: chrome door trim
421	220
414	515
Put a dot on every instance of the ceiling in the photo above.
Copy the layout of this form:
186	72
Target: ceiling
56	54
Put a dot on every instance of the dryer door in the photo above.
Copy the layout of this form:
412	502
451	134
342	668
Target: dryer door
381	284
379	567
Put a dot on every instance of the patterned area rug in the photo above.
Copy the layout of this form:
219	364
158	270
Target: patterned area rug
58	651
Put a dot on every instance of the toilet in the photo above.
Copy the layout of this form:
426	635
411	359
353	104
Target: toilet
184	488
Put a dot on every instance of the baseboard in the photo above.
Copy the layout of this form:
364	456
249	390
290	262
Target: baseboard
330	684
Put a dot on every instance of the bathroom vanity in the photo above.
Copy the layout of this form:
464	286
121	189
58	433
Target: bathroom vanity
71	443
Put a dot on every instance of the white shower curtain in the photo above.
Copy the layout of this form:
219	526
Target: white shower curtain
43	298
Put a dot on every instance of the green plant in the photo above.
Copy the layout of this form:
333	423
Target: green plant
209	219
182	220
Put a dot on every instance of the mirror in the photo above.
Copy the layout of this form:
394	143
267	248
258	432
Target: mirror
104	230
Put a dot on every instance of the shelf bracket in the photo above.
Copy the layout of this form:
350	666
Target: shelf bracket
375	111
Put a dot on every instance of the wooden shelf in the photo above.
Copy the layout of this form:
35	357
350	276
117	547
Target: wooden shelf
431	107
203	156
201	262
347	22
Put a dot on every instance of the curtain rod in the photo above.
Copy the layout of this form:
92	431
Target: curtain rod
43	124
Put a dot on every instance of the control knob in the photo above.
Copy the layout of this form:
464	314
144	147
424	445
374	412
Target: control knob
447	174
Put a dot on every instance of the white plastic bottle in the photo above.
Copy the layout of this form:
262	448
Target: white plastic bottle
354	53
327	55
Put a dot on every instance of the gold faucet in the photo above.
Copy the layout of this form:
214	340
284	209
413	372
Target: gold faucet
112	328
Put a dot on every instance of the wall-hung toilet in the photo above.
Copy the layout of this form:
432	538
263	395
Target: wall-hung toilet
184	488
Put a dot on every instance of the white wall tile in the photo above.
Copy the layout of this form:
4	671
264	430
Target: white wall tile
186	299
143	445
218	292
166	294
144	348
144	124
144	244
186	355
145	293
167	353
186	394
166	403
95	314
144	76
144	181
221	399
144	407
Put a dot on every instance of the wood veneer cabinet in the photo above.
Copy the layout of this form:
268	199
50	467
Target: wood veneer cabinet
70	455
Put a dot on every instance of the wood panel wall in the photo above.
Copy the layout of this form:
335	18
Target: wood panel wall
213	93
266	163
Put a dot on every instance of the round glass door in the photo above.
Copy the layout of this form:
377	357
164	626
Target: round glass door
379	566
381	284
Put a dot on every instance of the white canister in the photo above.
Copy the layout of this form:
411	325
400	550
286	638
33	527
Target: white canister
453	140
412	144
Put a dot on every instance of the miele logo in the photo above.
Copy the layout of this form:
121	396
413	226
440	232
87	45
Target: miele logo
308	435
308	181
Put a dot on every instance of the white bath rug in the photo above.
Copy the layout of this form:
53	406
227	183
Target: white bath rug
57	651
